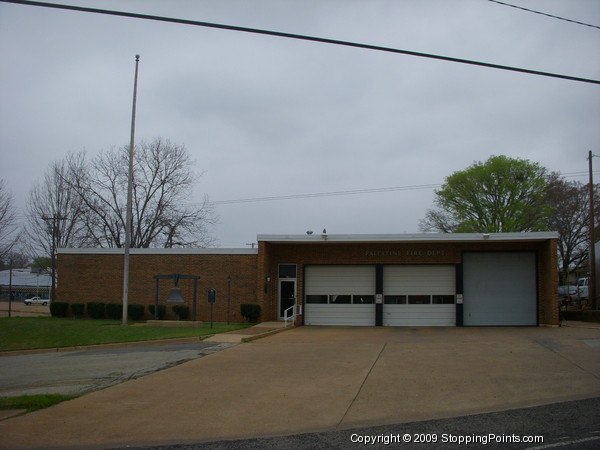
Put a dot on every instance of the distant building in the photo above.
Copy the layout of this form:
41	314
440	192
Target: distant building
25	284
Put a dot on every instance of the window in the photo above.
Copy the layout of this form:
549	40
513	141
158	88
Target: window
442	299
363	299
340	299
316	299
394	299
419	299
287	270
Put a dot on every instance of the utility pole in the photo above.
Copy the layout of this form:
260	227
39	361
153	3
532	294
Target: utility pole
592	252
54	232
129	195
228	297
10	290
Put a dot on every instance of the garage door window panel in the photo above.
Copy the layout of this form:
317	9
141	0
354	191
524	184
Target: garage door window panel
363	299
317	299
442	299
394	299
340	299
419	299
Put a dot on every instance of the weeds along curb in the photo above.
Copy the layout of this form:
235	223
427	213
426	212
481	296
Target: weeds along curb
99	346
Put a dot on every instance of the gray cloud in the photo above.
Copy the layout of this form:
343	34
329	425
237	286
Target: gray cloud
264	116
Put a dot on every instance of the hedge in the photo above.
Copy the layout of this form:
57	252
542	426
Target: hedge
181	311
114	310
250	311
162	311
77	309
135	312
59	309
96	310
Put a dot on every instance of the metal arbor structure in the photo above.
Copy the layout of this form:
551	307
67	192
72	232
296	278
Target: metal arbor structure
175	297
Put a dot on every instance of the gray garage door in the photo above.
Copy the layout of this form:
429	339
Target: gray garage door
499	288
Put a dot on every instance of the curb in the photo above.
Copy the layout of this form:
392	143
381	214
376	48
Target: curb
266	334
100	346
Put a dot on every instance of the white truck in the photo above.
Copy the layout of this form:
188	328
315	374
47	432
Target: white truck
583	288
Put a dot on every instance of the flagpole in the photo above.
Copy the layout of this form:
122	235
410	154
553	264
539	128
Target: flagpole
129	202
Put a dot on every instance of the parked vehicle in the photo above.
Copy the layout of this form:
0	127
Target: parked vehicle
583	288
567	292
36	301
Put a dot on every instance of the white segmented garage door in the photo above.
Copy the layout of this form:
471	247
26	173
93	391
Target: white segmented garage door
500	288
419	295
339	295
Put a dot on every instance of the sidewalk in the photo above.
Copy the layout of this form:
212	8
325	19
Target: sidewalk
261	330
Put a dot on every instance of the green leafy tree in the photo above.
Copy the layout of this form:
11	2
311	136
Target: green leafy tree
500	195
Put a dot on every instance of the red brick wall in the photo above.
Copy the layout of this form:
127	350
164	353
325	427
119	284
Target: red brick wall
407	253
99	278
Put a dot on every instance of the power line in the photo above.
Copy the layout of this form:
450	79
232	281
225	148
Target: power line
350	192
341	193
299	37
545	14
324	194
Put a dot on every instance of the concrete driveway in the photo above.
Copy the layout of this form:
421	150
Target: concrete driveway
326	378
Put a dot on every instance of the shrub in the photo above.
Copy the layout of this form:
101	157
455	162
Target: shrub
77	309
114	310
135	312
182	311
250	311
59	309
96	310
162	311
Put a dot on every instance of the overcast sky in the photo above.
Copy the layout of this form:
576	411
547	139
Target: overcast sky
265	116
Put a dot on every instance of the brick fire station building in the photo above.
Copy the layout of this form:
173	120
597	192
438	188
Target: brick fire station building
503	279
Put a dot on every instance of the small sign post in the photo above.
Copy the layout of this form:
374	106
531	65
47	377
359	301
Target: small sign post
212	299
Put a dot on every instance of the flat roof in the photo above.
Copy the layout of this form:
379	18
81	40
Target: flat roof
420	237
159	251
318	238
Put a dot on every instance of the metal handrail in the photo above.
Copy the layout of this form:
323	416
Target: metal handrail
287	317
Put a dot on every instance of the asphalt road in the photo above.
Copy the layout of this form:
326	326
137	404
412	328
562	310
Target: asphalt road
78	372
569	425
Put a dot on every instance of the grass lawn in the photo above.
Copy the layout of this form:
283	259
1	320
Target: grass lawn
33	402
24	333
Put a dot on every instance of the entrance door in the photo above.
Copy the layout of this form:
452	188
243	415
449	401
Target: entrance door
287	295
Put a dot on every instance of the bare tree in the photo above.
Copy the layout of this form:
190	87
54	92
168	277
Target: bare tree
570	217
55	212
55	215
438	221
162	182
8	222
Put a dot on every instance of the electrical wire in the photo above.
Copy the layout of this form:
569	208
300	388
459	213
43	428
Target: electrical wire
353	192
300	37
341	193
325	194
545	14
